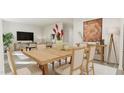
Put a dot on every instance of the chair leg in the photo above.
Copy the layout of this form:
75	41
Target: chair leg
93	68
81	68
87	71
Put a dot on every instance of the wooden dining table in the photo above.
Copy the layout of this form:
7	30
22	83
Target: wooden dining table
43	56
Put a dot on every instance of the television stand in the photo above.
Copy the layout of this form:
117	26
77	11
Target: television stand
21	45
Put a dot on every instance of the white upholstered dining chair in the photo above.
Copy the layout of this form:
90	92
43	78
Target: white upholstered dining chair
23	71
88	64
75	67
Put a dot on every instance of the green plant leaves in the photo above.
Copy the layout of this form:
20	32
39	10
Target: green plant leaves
7	39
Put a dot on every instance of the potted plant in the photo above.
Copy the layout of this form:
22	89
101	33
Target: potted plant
59	36
7	40
58	32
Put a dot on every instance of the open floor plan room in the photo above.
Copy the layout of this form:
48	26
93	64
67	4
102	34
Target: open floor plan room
62	46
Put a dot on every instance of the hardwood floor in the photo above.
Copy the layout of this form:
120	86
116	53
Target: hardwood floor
119	72
51	71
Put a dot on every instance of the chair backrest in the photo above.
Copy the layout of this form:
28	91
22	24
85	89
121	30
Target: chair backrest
11	61
77	58
92	52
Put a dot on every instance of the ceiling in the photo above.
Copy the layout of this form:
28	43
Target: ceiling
40	21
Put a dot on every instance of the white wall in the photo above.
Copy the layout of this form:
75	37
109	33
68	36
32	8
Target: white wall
107	23
68	33
47	31
121	51
77	27
13	27
1	49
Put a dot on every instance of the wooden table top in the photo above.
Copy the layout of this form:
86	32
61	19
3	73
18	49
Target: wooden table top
97	45
46	55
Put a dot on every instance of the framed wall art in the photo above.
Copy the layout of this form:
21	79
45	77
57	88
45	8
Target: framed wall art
92	30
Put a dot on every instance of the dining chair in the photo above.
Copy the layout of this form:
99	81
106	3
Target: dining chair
88	64
75	67
23	71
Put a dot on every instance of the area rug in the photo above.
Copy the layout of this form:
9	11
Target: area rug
20	58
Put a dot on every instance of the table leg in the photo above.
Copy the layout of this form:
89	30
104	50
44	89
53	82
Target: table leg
102	55
44	68
53	65
59	62
66	60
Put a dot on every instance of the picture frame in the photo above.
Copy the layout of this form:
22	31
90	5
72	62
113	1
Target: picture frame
92	30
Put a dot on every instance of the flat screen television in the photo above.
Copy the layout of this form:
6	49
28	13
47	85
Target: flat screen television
25	36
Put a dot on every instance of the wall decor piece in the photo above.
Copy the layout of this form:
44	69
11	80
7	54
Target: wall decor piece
92	30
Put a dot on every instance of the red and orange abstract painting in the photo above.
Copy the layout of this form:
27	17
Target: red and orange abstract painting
92	30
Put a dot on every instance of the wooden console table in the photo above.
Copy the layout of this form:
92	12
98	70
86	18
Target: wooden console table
100	50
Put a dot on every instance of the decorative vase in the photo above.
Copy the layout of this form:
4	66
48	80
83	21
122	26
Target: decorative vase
59	44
